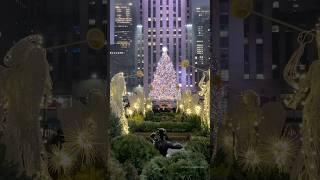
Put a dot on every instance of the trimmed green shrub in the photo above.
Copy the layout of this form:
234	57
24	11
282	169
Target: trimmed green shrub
149	126
137	118
180	166
156	169
158	119
88	173
117	171
194	120
149	116
200	145
169	114
172	122
161	117
132	173
133	149
179	117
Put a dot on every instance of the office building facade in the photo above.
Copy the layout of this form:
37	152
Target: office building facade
201	43
244	51
165	23
122	51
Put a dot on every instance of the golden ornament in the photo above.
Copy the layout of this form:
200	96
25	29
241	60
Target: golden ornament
139	74
241	8
96	38
185	63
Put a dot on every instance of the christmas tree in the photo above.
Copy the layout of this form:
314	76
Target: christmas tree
164	85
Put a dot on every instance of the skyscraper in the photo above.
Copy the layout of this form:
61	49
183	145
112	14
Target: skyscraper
124	24
244	50
60	22
122	51
165	23
201	26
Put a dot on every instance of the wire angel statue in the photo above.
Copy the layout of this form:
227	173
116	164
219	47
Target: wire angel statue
189	103
85	128
307	92
137	101
2	114
24	81
252	117
117	91
205	92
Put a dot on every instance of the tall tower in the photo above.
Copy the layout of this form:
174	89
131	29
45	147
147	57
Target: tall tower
165	23
124	22
201	26
244	50
122	54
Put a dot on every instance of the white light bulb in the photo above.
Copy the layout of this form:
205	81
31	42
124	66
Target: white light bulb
164	49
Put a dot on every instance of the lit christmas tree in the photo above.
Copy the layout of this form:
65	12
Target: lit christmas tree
164	85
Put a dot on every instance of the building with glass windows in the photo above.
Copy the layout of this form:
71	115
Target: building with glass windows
165	23
201	28
244	51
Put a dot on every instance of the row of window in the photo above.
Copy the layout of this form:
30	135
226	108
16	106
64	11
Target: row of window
161	8
175	24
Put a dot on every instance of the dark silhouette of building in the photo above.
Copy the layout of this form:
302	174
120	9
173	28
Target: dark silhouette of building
60	22
244	51
253	52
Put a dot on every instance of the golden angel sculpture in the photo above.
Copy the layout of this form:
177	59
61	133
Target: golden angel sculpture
307	92
138	103
117	91
204	85
2	115
254	127
189	103
85	128
252	117
24	81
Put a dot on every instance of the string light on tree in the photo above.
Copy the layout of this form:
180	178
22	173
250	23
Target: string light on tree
164	85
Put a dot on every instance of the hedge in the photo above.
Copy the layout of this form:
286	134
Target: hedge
180	166
149	126
133	149
200	145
